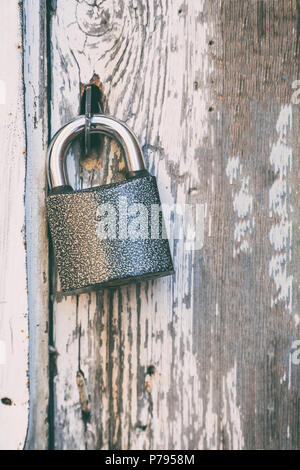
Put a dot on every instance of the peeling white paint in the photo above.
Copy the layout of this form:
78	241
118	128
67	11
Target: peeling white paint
211	419
242	202
245	247
231	414
233	169
242	206
283	282
230	418
241	229
280	234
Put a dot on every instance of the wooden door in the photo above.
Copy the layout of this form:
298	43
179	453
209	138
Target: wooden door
208	358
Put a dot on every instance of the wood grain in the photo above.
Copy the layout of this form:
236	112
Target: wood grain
13	282
36	118
203	359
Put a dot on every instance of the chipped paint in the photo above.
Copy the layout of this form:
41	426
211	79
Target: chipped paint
211	419
230	418
231	413
242	202
280	234
233	169
242	206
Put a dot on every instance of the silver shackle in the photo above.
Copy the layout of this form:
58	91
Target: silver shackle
99	123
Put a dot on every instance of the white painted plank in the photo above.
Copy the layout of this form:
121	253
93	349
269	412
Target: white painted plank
36	116
142	57
13	288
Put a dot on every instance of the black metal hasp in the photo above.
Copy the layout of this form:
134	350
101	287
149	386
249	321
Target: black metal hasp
90	104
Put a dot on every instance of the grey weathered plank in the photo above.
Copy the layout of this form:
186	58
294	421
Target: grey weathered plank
202	360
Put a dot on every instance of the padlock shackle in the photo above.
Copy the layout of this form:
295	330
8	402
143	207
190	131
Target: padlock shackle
57	151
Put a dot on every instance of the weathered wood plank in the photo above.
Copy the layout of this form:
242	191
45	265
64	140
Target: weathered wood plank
13	288
259	140
203	359
36	118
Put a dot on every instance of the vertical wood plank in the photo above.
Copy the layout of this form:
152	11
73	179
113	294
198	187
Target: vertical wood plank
13	288
36	118
260	151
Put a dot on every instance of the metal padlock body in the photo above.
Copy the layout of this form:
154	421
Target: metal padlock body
87	259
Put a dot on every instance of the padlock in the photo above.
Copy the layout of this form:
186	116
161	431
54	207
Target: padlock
108	235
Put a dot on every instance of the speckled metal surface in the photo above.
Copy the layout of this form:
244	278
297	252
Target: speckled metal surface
85	259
